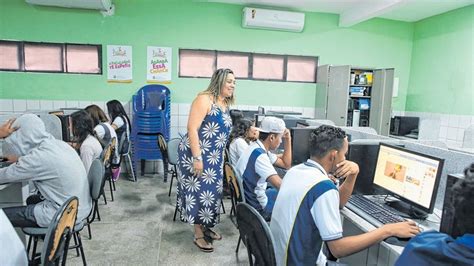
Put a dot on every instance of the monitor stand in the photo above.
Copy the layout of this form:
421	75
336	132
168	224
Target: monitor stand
407	209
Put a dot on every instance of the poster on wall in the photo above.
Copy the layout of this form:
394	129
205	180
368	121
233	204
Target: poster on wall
119	63
159	64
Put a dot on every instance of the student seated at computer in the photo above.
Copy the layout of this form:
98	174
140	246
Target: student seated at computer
307	208
121	124
435	248
85	143
243	132
52	165
103	130
255	165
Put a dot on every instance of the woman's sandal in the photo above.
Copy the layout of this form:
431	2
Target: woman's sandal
212	234
204	249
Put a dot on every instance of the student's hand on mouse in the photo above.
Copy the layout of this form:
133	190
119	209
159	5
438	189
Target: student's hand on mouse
403	229
6	129
345	169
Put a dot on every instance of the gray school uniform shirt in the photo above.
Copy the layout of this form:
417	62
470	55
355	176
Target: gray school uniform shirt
52	165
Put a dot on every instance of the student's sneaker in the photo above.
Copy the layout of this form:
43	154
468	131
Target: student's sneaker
115	173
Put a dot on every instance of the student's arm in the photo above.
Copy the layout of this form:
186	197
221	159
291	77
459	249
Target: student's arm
264	167
284	161
349	245
199	108
87	156
118	122
348	170
24	169
275	180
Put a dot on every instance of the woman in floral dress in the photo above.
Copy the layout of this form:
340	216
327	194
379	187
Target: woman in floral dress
201	158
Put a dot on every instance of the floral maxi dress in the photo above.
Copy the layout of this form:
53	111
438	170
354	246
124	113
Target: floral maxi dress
199	198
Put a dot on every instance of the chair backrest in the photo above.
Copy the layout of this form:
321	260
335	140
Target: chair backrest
162	145
124	144
108	153
57	237
232	181
96	177
173	150
256	235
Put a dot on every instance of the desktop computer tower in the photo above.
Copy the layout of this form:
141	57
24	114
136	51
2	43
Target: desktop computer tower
448	218
402	125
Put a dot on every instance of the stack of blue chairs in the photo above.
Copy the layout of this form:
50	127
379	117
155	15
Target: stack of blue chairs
151	116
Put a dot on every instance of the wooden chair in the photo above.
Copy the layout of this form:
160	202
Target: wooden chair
56	235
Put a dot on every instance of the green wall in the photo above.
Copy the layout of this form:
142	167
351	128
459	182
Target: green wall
442	74
376	43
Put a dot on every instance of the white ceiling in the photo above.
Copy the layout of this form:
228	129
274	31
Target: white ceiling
354	11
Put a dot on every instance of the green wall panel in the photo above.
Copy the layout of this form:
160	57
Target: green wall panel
377	43
441	77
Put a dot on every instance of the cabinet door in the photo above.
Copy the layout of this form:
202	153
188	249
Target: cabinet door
321	91
338	94
381	100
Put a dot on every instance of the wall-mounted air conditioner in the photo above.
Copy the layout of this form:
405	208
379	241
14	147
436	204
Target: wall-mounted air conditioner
102	5
258	18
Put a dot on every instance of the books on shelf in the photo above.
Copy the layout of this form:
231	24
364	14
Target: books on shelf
357	91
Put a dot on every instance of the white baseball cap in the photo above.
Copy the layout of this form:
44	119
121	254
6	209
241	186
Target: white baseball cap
271	124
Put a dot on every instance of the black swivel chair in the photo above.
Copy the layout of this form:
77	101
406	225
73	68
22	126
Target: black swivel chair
256	235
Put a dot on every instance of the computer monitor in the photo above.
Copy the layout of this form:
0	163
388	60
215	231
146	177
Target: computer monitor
301	124
300	144
449	223
364	153
410	176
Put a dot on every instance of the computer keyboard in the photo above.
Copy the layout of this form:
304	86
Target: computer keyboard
375	213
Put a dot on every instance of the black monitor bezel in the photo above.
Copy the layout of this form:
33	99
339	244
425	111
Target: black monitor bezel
436	185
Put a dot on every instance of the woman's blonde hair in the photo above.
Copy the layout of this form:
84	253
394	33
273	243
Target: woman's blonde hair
217	82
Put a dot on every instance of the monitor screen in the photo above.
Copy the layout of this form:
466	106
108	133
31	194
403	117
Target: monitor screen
412	176
364	154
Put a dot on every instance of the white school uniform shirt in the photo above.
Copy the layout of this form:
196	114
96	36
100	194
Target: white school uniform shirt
306	212
90	150
263	168
236	148
100	132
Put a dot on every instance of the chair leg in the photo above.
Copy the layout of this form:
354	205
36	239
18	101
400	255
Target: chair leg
103	196
81	248
76	246
89	230
111	190
30	239
238	244
175	212
223	208
35	244
97	211
131	167
113	184
171	183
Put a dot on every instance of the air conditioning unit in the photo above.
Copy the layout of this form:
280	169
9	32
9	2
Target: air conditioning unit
257	18
102	5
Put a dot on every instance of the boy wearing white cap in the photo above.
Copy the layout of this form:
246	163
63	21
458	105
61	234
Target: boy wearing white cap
255	165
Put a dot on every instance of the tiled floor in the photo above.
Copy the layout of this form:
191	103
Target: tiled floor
138	229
